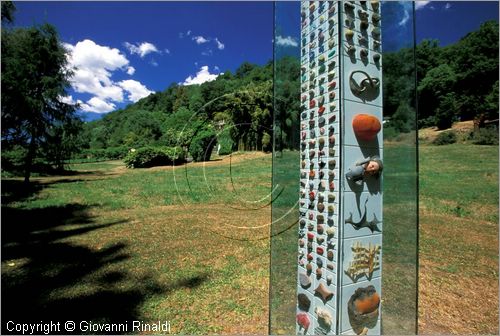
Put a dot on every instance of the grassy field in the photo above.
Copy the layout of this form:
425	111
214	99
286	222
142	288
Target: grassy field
459	239
107	244
190	244
400	242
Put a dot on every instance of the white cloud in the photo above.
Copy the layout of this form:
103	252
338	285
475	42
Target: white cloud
98	105
153	63
97	83
216	68
181	34
67	100
202	76
207	52
286	41
167	51
447	6
93	66
199	39
406	17
220	45
420	4
135	89
141	49
91	55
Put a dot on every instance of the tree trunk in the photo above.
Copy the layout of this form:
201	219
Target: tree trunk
28	163
479	122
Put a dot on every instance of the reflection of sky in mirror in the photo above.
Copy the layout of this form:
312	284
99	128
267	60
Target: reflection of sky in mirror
287	28
449	21
446	21
397	25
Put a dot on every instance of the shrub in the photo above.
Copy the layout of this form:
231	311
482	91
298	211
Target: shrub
202	145
226	143
445	138
486	136
390	133
267	145
427	122
13	158
116	153
154	156
100	154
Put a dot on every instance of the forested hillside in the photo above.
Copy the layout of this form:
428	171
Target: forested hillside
456	82
237	104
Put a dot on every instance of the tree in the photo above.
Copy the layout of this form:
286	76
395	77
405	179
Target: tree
436	95
287	102
34	78
8	9
446	112
181	99
399	88
475	59
179	128
202	144
428	56
64	140
244	69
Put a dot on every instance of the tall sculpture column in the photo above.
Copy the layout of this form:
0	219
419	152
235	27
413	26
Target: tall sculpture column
340	224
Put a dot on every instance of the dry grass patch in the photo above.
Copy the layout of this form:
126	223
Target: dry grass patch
458	275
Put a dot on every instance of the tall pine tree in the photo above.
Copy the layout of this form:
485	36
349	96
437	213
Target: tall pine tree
34	78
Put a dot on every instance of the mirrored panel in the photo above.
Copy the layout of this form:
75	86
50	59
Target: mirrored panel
298	38
285	211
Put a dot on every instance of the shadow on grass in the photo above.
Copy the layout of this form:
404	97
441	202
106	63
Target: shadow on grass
49	274
17	191
41	171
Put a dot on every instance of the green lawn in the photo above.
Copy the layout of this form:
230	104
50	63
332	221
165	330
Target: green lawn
459	239
400	247
190	244
185	244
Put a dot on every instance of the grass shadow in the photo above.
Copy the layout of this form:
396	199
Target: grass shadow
17	191
42	268
49	273
47	277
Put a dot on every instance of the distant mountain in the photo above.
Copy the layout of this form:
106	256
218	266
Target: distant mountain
241	101
91	116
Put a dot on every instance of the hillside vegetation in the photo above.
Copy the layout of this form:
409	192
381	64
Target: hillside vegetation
455	83
121	227
236	111
458	82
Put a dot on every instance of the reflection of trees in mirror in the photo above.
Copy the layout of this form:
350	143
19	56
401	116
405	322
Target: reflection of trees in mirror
287	102
456	82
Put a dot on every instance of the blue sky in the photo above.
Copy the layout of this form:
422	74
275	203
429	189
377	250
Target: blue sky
126	50
448	21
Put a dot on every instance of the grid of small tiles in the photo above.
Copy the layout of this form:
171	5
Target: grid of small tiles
319	174
340	43
360	243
